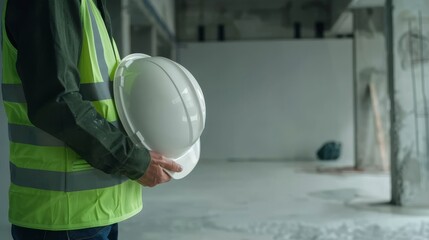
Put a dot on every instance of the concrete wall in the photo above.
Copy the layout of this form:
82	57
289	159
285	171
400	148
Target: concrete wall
370	66
274	99
4	162
410	92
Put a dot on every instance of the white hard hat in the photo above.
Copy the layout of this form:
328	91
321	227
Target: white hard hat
161	107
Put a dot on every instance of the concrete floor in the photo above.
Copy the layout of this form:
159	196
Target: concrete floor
272	200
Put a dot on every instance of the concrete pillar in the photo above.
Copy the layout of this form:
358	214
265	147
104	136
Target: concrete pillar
121	23
174	55
165	49
125	27
115	17
144	39
408	51
370	67
145	36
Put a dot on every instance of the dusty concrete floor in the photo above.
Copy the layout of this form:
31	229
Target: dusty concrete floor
276	201
272	201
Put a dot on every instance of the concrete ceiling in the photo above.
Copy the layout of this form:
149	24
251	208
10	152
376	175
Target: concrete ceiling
266	4
341	10
366	3
344	23
269	4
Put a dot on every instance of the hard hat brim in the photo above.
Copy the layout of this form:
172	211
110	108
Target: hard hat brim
188	161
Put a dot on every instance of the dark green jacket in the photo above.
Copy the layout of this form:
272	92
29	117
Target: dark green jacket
40	30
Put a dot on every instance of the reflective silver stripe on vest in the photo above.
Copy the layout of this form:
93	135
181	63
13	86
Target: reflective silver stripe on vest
35	136
96	91
63	181
90	92
104	70
13	93
32	135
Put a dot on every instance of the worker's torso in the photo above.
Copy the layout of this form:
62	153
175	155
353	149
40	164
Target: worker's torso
51	186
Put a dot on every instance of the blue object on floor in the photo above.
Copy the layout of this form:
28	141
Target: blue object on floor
329	151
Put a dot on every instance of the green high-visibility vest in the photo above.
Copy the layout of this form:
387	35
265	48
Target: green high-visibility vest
52	188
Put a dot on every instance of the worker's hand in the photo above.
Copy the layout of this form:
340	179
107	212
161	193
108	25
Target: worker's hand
155	173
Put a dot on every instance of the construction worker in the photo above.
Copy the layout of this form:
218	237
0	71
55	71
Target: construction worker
74	172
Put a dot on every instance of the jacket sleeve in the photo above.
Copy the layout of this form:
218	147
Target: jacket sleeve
48	37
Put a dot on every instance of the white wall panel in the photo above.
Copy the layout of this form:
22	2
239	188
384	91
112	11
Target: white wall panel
274	99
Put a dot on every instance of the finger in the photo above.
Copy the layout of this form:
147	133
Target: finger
164	177
154	175
170	165
159	178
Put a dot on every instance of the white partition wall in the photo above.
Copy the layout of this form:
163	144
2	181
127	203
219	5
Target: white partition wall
274	99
